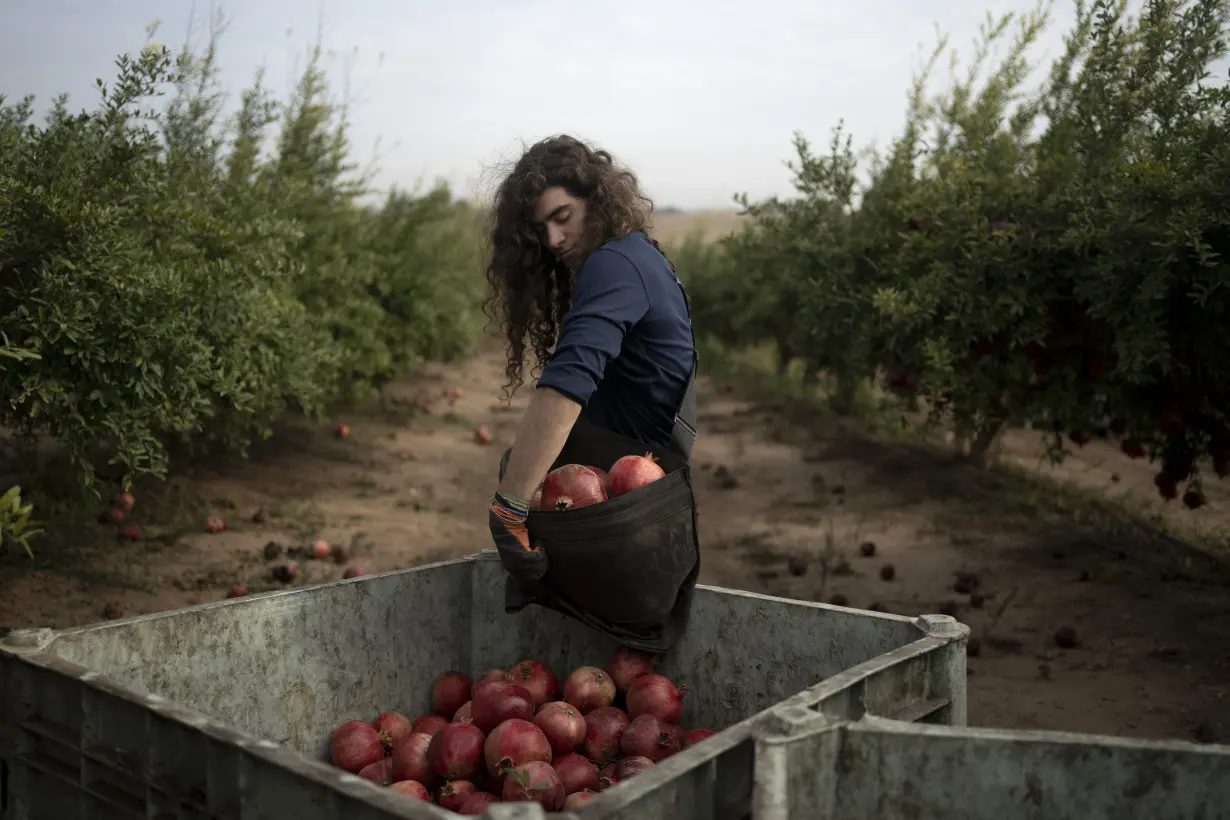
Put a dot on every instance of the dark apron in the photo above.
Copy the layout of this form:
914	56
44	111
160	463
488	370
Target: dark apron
626	567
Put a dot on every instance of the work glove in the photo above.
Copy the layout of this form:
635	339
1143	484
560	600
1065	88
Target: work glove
507	515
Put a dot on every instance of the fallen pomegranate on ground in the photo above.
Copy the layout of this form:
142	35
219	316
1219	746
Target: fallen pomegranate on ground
214	525
519	734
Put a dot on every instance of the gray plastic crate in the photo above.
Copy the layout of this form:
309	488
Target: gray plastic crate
224	710
876	769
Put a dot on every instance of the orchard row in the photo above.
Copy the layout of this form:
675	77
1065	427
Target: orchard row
1054	256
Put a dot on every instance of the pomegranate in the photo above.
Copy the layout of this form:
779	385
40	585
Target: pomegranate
410	760
380	772
604	728
631	766
214	525
633	472
341	431
352	572
392	726
453	794
577	773
482	435
477	803
589	688
237	591
321	549
125	501
538	680
515	742
563	726
412	788
462	715
131	531
578	799
449	692
114	515
628	664
534	782
648	737
655	695
456	751
354	745
606	776
696	736
494	676
495	703
572	486
606	479
429	724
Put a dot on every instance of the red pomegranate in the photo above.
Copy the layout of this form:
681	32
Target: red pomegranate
495	703
534	782
631	766
411	788
606	479
577	773
628	664
463	714
456	752
448	693
380	772
355	744
570	486
563	726
538	680
410	760
633	472
604	728
453	794
392	726
696	736
515	742
589	688
429	724
648	737
493	676
656	695
606	775
477	803
578	799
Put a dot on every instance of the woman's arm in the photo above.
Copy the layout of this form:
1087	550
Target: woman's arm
540	438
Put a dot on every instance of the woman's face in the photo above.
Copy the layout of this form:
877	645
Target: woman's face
560	217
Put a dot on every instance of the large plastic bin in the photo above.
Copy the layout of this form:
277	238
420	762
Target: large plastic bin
876	769
224	710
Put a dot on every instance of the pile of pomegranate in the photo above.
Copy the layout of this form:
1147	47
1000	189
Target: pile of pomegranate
517	735
576	485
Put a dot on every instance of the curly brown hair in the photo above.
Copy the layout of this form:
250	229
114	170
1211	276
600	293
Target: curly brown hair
530	290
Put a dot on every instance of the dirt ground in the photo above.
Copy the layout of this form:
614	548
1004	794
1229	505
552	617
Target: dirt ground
409	485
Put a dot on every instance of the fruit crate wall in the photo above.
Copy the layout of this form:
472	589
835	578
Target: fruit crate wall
810	766
224	710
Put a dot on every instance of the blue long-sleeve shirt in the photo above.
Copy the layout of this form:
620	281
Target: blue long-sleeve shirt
625	349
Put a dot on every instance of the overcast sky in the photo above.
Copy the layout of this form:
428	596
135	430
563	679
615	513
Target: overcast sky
700	97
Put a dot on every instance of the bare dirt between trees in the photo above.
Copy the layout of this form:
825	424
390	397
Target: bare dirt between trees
778	486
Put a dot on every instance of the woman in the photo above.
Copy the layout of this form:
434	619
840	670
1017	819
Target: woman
574	269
